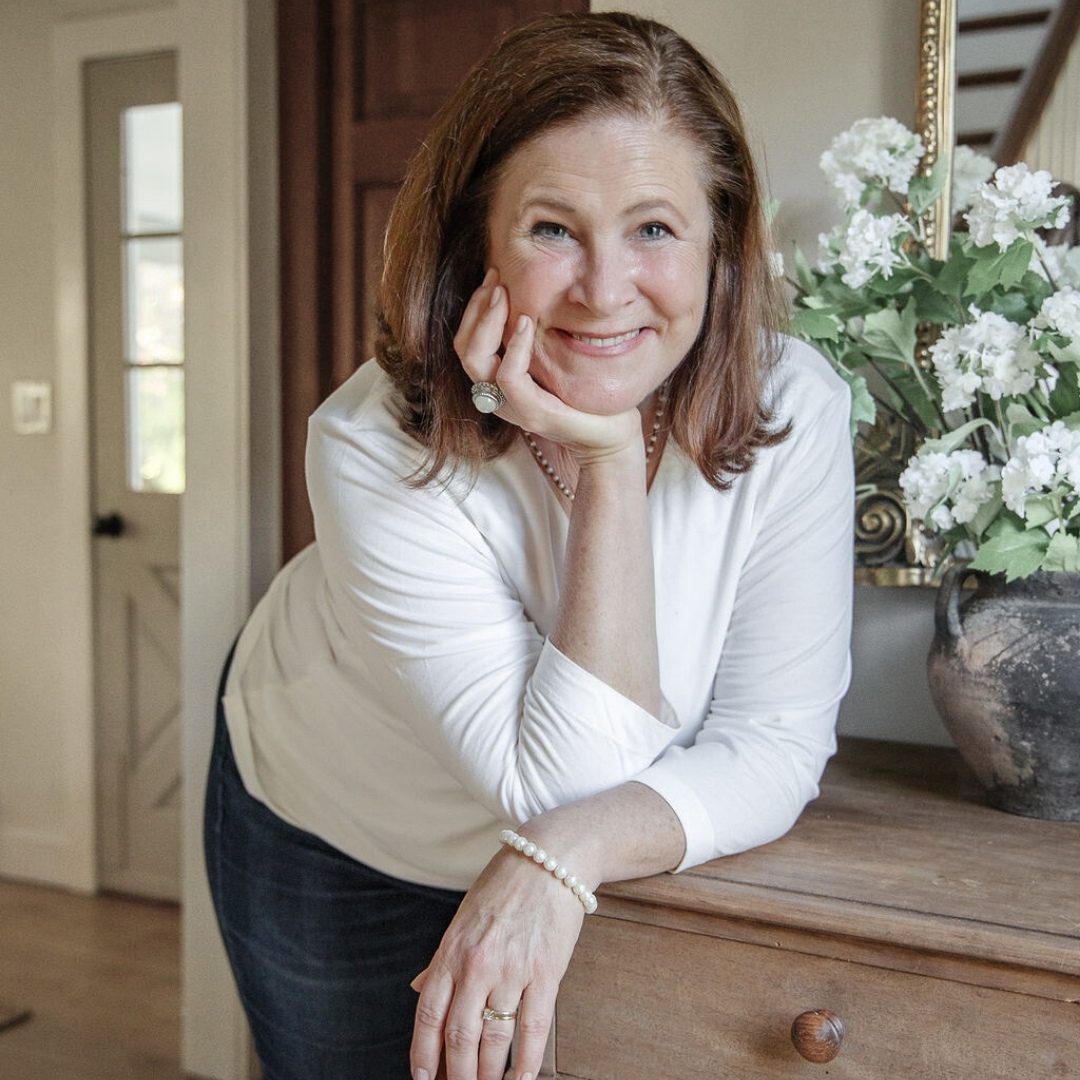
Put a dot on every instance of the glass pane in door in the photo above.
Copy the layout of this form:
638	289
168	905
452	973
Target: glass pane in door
152	169
154	297
155	400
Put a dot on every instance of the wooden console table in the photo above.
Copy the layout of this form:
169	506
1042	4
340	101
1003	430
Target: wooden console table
945	935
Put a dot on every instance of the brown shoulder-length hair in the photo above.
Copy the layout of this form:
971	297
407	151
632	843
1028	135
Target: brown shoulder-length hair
554	71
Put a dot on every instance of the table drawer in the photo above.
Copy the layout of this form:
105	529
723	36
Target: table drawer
641	1002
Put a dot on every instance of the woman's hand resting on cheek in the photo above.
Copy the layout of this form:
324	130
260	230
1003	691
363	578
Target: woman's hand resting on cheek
510	942
478	342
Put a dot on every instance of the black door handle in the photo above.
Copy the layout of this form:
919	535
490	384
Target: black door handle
108	525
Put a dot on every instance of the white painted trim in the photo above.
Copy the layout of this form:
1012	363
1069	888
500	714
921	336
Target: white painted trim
73	44
225	48
210	39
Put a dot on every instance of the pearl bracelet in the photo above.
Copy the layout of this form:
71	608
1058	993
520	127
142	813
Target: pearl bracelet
551	864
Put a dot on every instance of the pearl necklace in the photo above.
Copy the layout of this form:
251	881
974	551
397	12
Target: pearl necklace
650	444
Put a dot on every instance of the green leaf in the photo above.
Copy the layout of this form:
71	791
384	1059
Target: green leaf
1020	421
1036	288
863	406
905	392
1069	354
1011	549
993	267
955	438
1065	397
803	274
924	191
932	305
813	325
890	334
1038	510
846	301
954	273
1063	553
987	513
890	286
1013	305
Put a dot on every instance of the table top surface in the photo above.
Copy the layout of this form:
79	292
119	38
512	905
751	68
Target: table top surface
902	846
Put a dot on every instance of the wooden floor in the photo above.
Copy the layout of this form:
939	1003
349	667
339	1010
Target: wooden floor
102	977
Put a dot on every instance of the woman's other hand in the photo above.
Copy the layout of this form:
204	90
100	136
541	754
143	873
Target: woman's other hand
510	943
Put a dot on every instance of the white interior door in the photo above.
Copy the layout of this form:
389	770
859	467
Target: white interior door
136	299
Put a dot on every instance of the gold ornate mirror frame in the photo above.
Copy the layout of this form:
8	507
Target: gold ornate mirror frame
883	532
934	110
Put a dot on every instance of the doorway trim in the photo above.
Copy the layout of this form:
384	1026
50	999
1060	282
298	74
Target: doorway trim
230	177
74	43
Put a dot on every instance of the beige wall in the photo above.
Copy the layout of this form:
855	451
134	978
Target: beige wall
33	540
804	70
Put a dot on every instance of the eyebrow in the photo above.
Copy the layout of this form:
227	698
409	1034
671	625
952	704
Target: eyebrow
644	206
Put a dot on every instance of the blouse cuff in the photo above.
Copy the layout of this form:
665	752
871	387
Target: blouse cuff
663	777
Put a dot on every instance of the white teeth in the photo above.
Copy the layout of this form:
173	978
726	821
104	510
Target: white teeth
605	342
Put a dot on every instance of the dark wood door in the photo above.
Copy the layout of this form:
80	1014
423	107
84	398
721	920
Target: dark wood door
359	81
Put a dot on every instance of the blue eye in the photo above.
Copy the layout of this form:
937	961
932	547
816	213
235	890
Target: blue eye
550	230
654	231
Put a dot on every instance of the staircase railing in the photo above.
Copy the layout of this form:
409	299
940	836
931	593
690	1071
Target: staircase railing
1039	82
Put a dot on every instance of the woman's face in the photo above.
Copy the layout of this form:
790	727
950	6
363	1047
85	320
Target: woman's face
601	232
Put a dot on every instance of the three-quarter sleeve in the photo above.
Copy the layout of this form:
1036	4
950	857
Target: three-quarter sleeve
785	663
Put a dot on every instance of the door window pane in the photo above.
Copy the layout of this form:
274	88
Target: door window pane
152	169
154	274
156	429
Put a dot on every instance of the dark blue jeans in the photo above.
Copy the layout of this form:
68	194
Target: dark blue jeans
322	947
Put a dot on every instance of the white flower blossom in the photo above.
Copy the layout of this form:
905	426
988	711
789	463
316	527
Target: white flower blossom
828	247
970	171
1044	462
881	152
1060	314
1013	205
776	263
1060	261
944	490
991	355
869	247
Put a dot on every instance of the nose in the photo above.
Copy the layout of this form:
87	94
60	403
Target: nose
606	278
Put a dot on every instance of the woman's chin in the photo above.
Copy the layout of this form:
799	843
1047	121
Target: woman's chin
598	400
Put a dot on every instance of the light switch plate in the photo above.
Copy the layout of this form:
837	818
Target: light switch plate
31	407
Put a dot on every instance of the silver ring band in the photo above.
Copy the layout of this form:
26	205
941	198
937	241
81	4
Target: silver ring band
487	397
497	1014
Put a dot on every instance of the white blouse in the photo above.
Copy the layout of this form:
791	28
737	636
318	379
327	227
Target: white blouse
395	691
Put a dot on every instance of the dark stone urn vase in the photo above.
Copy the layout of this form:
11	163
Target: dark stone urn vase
1004	673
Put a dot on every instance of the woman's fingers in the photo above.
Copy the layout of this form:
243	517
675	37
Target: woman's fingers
431	1012
497	1034
535	1014
462	1036
479	337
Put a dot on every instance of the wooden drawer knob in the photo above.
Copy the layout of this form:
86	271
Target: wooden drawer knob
817	1035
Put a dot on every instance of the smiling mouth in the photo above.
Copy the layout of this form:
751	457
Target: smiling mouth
605	342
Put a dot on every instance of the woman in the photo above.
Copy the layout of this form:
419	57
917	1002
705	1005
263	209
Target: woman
582	572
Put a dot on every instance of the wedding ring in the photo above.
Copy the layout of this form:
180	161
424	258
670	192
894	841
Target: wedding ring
497	1014
487	397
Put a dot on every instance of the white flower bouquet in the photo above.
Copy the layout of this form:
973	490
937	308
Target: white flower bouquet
993	402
